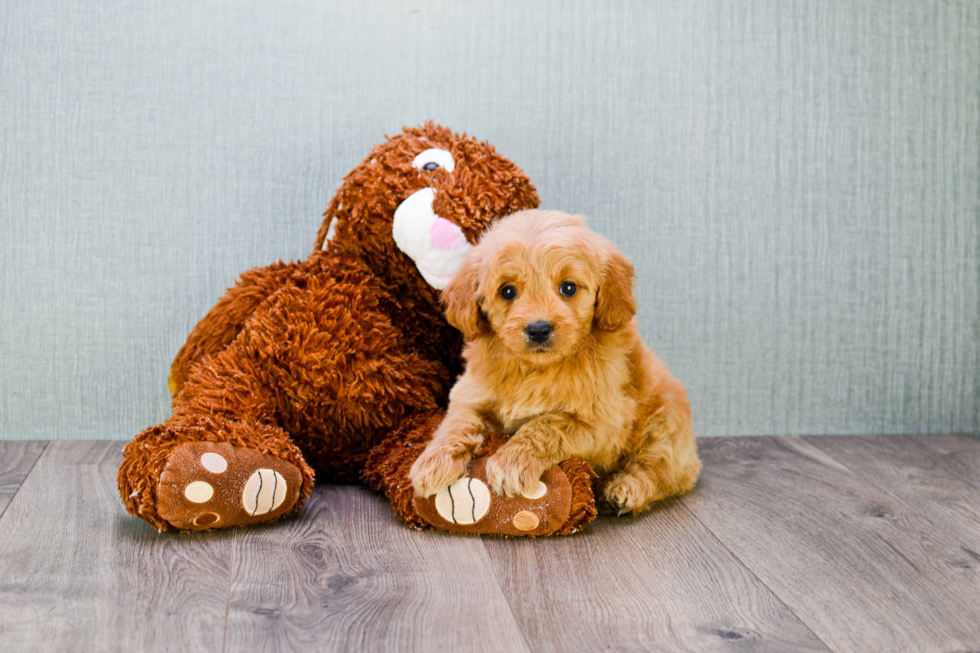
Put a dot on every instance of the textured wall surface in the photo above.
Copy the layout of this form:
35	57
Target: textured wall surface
797	182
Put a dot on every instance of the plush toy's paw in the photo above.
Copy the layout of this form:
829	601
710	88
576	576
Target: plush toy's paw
470	506
435	470
207	485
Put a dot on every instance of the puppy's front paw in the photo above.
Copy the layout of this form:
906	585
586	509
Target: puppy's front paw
511	473
436	469
624	493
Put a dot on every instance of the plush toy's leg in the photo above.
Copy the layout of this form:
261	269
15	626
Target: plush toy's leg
216	463
204	472
563	504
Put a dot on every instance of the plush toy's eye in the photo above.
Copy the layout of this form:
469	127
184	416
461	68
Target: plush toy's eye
508	292
433	159
567	289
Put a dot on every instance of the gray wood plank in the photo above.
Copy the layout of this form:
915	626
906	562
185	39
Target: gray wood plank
844	555
16	460
960	453
79	574
946	508
660	582
346	576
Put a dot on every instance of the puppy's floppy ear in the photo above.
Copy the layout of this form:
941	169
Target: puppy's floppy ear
462	300
614	303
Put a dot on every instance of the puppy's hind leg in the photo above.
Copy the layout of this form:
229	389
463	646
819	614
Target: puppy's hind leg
666	464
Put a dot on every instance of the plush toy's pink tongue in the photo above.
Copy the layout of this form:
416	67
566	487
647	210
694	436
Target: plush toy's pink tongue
445	235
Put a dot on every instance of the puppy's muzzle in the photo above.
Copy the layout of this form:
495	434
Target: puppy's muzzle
539	332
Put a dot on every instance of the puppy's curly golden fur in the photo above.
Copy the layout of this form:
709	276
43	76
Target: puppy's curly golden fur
554	360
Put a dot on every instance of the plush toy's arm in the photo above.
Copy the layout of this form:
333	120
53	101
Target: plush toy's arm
567	505
223	322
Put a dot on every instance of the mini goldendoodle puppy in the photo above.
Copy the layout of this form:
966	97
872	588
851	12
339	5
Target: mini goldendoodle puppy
554	360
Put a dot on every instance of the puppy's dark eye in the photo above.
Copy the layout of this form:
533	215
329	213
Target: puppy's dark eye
567	289
508	292
430	166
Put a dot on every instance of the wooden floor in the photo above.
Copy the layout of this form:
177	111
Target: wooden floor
788	544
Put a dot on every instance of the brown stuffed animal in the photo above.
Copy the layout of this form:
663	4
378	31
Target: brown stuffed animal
309	365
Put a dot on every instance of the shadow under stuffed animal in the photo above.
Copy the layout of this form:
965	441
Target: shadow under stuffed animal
343	362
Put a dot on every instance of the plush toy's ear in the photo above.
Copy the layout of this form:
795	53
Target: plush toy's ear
326	230
614	303
462	300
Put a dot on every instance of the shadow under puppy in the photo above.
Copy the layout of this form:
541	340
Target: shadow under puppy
554	360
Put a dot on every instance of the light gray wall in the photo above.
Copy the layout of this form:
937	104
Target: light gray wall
798	183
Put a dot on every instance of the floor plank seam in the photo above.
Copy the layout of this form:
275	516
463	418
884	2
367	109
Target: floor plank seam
24	480
756	576
510	608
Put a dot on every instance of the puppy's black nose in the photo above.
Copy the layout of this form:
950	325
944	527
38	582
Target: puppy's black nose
539	331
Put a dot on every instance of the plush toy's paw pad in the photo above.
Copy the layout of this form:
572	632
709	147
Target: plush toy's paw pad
464	502
209	485
469	506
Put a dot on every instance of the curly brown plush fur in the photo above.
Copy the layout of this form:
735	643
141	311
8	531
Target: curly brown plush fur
315	362
386	468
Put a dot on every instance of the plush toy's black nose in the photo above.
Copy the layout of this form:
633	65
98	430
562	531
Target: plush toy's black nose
539	331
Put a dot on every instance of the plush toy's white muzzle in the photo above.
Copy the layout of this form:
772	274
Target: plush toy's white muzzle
437	246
